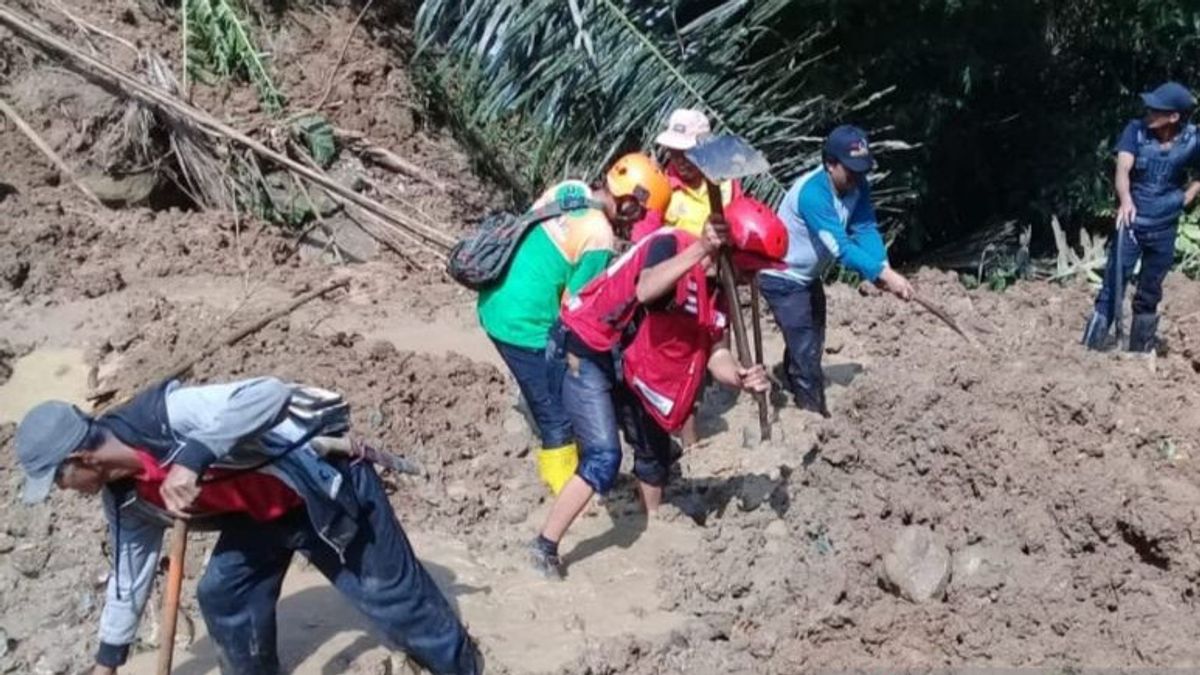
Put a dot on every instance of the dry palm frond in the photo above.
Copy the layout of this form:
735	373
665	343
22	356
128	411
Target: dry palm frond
560	87
202	160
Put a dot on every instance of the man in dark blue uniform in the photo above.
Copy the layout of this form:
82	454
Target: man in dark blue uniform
1153	157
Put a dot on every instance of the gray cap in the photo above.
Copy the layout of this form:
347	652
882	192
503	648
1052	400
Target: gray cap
49	432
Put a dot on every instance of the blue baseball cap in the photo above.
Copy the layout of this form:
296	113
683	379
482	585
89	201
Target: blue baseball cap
1171	97
848	145
45	437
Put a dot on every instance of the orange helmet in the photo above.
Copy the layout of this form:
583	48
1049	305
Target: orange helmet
637	175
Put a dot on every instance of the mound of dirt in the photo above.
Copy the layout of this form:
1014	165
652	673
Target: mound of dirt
448	414
59	247
1063	482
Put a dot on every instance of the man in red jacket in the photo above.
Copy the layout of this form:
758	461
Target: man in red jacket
660	304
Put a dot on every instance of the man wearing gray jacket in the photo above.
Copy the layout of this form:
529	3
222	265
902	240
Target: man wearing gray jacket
238	454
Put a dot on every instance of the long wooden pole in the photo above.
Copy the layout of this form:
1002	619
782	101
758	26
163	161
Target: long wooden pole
729	287
171	596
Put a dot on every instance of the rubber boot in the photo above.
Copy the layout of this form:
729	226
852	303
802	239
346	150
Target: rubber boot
1142	333
1096	332
557	465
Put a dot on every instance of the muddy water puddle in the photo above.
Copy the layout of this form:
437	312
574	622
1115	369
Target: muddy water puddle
44	374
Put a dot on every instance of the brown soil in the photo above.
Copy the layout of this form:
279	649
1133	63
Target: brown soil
1063	483
1070	477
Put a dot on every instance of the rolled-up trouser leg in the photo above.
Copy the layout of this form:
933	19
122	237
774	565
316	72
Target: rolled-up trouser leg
587	393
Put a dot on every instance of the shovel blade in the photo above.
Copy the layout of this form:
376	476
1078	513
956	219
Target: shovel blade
727	157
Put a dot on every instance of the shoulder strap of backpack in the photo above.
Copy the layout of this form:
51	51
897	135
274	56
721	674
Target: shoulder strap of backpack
554	210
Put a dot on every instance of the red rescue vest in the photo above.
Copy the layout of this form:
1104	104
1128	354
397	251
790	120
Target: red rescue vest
664	362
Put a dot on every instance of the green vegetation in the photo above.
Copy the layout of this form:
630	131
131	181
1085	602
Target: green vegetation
1187	246
1008	109
219	45
544	88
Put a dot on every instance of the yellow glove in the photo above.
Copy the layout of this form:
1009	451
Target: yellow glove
557	465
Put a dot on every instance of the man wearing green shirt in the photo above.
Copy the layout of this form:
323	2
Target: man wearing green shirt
557	258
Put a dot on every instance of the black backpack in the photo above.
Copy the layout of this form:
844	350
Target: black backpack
481	259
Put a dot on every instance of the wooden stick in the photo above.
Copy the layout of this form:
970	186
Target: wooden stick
943	316
393	162
47	151
428	236
235	337
729	286
170	610
756	318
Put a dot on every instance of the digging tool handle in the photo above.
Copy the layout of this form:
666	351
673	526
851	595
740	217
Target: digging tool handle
756	318
941	315
729	286
170	610
1118	291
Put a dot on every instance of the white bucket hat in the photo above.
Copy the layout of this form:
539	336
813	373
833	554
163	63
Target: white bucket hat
684	128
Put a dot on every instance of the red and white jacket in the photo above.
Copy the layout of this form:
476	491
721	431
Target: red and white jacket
664	362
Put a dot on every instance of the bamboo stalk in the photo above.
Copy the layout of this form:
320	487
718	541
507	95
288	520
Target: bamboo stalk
46	150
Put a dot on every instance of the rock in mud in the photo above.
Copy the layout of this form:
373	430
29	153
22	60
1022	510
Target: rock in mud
918	566
121	190
980	569
31	560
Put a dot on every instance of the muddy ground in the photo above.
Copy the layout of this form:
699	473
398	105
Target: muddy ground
1055	490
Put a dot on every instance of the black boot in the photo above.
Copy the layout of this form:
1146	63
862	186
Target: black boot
1096	333
1142	333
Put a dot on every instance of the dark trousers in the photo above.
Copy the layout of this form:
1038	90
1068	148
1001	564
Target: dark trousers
799	310
1157	250
542	390
380	576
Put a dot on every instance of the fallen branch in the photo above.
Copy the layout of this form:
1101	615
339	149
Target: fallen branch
944	316
429	237
381	237
47	151
377	154
185	365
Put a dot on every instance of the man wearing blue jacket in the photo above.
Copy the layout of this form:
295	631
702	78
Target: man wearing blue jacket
830	219
1154	155
236	453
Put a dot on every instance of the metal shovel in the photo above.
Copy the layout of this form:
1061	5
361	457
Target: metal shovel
1118	292
722	158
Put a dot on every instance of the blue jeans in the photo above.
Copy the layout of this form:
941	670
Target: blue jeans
800	312
600	408
1156	248
380	576
541	388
